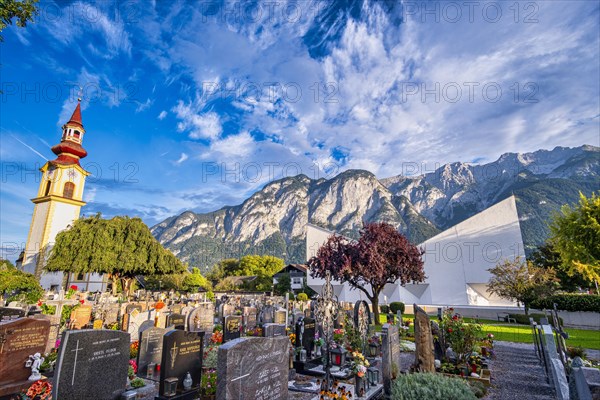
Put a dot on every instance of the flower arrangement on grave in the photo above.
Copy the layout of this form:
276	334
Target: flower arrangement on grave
49	361
159	305
134	348
41	389
292	337
216	338
71	291
209	356
337	392
338	335
133	364
461	336
57	344
319	341
254	332
208	384
359	364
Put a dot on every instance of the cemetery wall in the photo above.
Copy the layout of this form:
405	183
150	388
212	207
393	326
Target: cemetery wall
579	320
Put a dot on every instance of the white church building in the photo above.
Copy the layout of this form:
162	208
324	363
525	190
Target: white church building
456	261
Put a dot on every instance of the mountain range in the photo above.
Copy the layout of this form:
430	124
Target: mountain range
272	220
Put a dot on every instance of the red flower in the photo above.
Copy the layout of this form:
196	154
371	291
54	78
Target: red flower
455	318
82	301
74	287
449	330
39	303
158	367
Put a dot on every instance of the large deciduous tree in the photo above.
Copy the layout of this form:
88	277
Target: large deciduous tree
121	247
575	234
381	255
24	11
522	281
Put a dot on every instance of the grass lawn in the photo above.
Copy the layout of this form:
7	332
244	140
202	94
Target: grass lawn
588	339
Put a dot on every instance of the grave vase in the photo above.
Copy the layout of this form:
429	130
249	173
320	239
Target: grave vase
359	386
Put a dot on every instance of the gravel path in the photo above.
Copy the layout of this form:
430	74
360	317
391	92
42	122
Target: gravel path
517	374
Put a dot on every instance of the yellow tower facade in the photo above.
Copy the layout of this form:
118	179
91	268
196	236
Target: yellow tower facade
58	202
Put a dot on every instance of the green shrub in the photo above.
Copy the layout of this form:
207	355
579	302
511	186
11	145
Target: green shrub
524	319
569	302
576	351
137	383
397	306
302	297
478	388
384	309
431	387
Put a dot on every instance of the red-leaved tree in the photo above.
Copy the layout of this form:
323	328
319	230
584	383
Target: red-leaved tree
382	255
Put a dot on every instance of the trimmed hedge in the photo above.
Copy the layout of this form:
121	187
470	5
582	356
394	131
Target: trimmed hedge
569	302
396	306
384	309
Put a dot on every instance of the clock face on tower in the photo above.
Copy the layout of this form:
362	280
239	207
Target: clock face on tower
72	174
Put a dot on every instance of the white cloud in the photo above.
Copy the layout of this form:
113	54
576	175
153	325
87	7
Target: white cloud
182	158
162	115
198	125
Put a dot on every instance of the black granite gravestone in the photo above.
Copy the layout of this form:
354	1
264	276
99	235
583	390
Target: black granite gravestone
231	327
181	353
91	362
150	350
176	320
253	368
308	337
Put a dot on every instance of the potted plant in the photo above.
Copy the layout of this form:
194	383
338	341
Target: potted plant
39	390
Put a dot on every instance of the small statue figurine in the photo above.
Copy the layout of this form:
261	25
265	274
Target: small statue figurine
187	382
34	362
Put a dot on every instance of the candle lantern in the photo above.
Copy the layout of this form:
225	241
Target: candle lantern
338	356
373	376
170	387
373	349
303	355
150	371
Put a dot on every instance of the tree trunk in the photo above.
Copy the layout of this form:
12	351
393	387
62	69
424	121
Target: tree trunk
375	303
526	307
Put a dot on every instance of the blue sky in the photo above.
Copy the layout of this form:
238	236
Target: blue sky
195	105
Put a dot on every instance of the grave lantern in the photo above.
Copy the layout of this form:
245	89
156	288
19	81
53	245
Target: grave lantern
303	355
373	376
150	371
338	356
170	387
373	349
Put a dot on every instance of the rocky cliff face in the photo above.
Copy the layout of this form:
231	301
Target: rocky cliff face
272	221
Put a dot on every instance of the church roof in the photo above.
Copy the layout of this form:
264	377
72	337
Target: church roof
76	117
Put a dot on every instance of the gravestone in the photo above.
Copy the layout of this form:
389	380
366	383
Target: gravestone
176	308
176	320
8	313
281	316
19	339
425	353
266	314
129	308
253	368
150	350
231	327
145	325
228	309
111	314
181	353
249	318
273	330
81	316
201	318
135	320
91	362
308	337
390	361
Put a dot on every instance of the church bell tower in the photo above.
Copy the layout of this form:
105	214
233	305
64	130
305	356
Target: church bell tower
58	201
